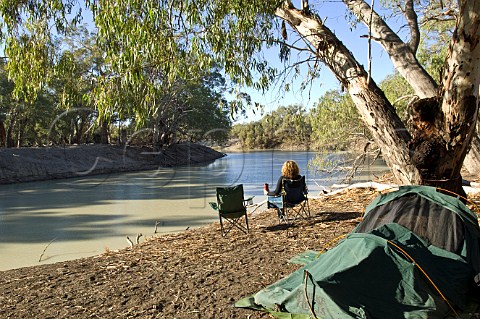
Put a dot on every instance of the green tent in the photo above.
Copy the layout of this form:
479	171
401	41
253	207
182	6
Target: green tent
414	255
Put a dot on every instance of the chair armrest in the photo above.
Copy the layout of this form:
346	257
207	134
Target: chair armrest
275	196
213	205
248	201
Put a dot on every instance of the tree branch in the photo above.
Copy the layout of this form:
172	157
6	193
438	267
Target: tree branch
412	20
401	55
370	101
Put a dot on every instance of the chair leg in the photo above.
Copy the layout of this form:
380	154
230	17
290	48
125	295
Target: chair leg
283	215
233	223
308	209
301	210
221	227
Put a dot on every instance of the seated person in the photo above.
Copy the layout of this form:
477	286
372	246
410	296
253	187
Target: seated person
290	170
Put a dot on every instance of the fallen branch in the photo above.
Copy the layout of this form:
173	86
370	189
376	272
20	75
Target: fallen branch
51	241
130	242
257	206
374	185
138	238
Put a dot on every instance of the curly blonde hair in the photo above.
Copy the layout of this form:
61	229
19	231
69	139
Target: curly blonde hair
290	170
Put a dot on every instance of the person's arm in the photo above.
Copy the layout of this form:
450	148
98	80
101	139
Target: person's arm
278	189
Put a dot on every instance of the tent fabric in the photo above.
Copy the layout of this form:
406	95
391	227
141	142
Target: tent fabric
384	269
365	277
441	220
414	212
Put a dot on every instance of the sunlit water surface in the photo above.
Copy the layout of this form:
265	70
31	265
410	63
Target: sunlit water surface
52	221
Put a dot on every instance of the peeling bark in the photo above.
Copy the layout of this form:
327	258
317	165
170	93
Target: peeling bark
435	154
401	54
377	112
471	162
460	86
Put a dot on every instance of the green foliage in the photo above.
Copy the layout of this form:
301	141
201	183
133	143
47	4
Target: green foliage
153	65
28	29
208	116
335	122
434	46
24	124
30	68
288	126
399	93
191	110
149	45
80	80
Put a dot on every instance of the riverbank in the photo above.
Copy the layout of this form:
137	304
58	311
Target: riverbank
192	274
29	164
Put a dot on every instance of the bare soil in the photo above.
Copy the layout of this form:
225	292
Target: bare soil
193	274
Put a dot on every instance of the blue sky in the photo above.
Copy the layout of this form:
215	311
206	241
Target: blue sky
335	14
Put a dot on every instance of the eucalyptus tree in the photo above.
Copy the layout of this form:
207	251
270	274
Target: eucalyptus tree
286	127
182	39
23	123
290	125
76	69
335	122
191	110
208	116
6	103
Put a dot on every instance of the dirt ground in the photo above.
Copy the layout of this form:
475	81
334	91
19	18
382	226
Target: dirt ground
193	274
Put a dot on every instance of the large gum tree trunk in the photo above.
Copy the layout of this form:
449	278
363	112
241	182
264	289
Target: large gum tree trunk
448	132
403	58
461	81
472	160
377	112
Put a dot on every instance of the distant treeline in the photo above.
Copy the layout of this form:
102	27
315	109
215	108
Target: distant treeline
332	124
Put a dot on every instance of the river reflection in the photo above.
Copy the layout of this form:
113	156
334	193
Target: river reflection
66	219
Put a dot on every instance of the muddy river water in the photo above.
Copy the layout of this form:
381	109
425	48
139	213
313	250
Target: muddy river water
52	221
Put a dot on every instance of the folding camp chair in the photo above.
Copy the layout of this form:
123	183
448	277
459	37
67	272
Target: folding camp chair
231	207
293	201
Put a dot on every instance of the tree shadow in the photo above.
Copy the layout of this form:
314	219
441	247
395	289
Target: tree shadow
322	217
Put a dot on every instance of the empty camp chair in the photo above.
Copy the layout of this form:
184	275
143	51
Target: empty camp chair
293	202
231	208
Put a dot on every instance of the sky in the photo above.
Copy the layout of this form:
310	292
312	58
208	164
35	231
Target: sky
335	14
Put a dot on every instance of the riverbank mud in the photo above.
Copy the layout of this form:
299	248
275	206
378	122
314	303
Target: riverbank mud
45	163
193	274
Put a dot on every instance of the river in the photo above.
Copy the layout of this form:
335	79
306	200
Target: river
52	221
